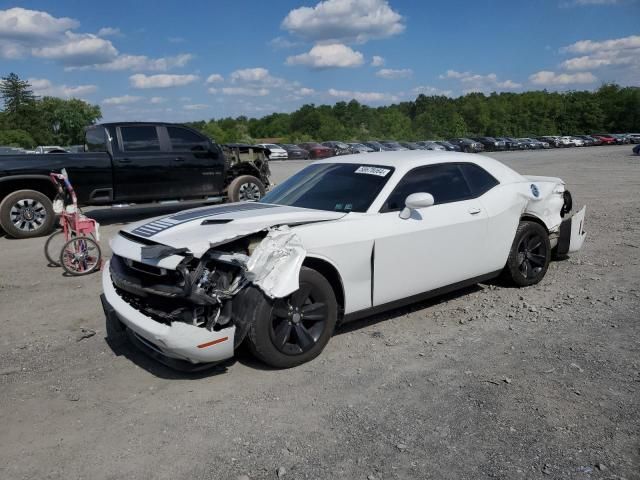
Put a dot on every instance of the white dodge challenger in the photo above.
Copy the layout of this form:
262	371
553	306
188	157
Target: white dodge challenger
340	240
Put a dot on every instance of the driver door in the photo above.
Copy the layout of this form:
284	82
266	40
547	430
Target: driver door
438	245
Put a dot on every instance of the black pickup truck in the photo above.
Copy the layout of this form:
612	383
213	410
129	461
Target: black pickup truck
127	163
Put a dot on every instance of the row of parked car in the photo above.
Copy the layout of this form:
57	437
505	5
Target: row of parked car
313	150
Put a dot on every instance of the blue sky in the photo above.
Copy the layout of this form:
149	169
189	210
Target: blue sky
179	61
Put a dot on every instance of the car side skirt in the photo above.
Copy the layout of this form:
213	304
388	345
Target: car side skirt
350	317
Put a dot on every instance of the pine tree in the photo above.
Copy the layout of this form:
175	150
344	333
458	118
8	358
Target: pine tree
16	93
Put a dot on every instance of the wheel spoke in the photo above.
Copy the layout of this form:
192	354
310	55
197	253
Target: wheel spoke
315	311
305	339
282	333
534	243
537	259
299	297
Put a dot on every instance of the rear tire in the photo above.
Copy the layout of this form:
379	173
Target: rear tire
529	256
27	214
245	188
289	331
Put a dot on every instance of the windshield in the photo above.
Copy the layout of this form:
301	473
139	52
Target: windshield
336	187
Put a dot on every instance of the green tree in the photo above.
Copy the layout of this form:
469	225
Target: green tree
16	93
16	138
67	119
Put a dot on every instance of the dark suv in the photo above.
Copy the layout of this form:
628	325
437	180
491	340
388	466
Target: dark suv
491	144
467	145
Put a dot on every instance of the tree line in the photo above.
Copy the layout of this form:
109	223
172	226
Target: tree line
611	108
28	120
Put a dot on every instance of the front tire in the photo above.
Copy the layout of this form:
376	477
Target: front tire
27	214
529	256
289	331
245	188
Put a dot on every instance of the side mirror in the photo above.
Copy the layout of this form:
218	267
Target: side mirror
415	201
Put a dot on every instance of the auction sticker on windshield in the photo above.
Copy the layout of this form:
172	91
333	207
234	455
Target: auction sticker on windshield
380	172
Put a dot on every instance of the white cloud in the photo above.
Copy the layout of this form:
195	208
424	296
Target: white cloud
78	49
196	106
243	91
141	80
215	78
304	92
344	21
123	100
140	63
157	100
282	43
365	97
109	32
20	24
551	78
617	59
391	74
473	82
377	61
44	88
589	46
258	78
431	91
335	55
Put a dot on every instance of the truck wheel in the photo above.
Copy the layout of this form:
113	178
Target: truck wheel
27	214
245	188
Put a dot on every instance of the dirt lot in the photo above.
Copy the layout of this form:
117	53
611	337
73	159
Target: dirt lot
542	382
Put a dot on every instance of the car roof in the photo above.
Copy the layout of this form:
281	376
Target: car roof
404	161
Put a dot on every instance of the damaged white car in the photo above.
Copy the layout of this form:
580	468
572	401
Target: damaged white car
340	240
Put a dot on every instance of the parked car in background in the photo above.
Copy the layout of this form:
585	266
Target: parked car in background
294	152
512	143
393	145
360	148
376	146
411	145
605	138
577	142
50	149
491	144
633	137
552	140
277	152
467	145
621	139
449	147
339	148
316	150
534	143
589	141
636	149
126	163
428	145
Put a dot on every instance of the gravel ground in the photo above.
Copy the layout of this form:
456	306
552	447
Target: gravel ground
541	382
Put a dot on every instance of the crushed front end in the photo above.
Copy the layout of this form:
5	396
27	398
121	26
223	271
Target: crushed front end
181	307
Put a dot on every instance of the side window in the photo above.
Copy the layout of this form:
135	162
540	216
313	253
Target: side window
478	178
445	182
183	139
95	140
140	139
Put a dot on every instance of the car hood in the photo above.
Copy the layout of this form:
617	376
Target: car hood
199	229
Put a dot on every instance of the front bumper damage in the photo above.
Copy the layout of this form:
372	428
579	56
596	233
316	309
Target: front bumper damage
197	311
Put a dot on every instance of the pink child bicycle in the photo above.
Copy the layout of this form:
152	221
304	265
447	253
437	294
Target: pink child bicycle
80	253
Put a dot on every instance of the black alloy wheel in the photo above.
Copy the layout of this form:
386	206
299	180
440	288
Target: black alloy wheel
299	320
530	255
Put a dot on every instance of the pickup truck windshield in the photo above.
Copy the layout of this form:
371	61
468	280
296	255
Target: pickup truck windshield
337	187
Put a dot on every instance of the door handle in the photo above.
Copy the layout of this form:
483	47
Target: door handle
178	159
124	160
474	210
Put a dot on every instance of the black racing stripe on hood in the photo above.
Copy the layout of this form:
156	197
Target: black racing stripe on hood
160	225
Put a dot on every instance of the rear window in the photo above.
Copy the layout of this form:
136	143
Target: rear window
183	139
140	139
95	140
479	180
